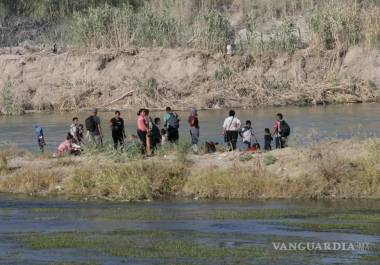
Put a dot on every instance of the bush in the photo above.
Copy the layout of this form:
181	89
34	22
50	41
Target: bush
103	27
9	103
223	73
109	26
211	31
336	24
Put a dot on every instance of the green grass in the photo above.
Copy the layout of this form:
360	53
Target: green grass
136	244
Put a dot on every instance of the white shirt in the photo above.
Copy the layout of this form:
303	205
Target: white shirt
231	124
247	134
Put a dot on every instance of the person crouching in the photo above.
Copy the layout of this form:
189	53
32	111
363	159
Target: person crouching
69	147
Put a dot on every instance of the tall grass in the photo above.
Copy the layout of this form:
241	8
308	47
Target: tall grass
341	24
205	24
211	31
10	105
137	180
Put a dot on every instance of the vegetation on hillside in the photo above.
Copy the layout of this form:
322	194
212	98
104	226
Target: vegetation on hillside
204	24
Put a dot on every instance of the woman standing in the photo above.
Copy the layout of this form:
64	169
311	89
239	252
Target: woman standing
231	127
142	128
194	129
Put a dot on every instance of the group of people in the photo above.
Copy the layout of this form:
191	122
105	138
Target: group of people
152	133
233	128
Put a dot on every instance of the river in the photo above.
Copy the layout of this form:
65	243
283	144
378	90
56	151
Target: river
309	124
53	231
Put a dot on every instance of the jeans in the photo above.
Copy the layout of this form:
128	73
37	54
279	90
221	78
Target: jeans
94	139
194	133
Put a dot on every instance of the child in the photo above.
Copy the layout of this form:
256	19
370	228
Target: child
164	137
40	137
67	146
248	134
156	133
268	139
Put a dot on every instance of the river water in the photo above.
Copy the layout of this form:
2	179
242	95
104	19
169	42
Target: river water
309	124
54	231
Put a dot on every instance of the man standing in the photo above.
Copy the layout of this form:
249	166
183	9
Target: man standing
171	123
117	130
281	131
94	129
231	127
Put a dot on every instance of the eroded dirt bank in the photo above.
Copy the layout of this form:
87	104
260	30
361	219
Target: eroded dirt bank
38	79
340	169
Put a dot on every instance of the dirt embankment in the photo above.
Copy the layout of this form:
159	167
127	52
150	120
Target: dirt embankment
340	169
70	79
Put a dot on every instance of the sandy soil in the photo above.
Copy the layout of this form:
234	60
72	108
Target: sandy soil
155	78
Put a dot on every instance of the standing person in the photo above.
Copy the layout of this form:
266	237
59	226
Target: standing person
267	140
75	131
281	131
94	128
117	130
142	128
40	137
231	127
156	133
248	134
171	123
194	129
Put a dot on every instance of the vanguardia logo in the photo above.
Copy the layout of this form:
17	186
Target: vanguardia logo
321	246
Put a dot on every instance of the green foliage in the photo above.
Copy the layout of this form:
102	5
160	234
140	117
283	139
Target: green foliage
211	31
223	73
269	160
103	27
56	9
10	105
109	26
336	24
155	29
285	38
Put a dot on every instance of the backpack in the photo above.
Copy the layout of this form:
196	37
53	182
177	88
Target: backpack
284	129
173	121
90	124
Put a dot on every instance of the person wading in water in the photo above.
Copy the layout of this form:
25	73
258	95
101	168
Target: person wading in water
117	130
231	127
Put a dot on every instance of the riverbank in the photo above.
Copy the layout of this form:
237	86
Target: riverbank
158	77
339	169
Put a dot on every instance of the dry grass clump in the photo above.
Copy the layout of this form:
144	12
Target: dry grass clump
238	182
133	181
30	181
3	163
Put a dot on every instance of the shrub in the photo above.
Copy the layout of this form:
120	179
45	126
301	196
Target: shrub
336	24
103	27
223	73
211	31
10	104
